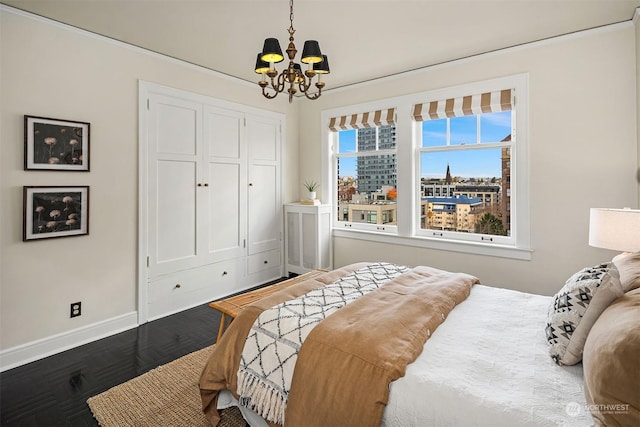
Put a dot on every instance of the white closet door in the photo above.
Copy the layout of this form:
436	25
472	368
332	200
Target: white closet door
225	151
264	198
173	173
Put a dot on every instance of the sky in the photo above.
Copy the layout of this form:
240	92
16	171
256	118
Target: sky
477	163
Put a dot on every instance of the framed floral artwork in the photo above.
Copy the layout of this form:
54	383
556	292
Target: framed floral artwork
54	144
51	211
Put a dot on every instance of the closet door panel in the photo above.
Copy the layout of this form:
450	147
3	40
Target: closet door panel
224	133
175	207
264	198
225	152
226	216
264	137
176	124
173	159
264	209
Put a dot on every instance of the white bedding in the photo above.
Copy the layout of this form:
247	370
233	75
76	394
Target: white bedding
488	365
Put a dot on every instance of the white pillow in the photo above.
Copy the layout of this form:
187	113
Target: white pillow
629	268
576	307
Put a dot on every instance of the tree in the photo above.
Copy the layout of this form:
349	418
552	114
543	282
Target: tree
490	224
392	194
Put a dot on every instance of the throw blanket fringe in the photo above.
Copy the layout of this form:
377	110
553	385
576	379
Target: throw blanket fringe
261	398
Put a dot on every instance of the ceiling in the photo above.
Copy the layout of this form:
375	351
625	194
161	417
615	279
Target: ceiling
364	39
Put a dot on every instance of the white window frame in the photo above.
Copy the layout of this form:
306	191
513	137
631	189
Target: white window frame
408	135
457	235
356	225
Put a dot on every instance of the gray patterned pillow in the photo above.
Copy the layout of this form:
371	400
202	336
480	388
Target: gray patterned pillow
576	307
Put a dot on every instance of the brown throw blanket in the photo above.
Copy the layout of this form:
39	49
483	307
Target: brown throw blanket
347	362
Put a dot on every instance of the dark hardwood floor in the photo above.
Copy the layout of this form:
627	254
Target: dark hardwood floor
53	391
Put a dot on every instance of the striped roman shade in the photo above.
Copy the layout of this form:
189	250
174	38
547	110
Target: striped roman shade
363	120
471	105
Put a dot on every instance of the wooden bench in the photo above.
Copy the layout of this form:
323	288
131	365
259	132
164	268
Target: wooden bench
232	306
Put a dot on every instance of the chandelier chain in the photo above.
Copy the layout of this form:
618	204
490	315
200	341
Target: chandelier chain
291	14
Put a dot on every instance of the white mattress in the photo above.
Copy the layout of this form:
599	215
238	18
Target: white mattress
488	365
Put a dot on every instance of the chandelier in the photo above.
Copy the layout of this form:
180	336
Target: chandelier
293	76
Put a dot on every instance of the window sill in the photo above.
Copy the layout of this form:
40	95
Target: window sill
476	248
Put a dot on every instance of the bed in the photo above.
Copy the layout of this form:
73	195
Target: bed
483	358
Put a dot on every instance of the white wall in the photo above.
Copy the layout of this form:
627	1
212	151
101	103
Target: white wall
53	71
582	143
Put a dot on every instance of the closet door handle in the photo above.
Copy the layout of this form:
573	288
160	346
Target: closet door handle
251	184
199	184
206	184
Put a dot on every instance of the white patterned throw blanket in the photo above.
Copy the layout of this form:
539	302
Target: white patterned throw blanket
272	346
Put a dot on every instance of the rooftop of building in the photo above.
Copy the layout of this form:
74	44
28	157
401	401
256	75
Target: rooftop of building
455	200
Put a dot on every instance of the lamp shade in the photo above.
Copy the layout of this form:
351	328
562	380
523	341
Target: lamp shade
261	66
271	51
616	229
311	52
322	67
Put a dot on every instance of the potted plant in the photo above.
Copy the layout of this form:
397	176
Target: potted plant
311	187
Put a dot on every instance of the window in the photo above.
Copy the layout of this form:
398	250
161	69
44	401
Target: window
366	166
445	169
464	147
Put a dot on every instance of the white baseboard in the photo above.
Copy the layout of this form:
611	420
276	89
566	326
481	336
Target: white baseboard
39	349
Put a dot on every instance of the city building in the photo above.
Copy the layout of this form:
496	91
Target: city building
490	195
458	213
374	213
376	171
505	200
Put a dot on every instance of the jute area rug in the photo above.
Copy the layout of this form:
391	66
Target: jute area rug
167	396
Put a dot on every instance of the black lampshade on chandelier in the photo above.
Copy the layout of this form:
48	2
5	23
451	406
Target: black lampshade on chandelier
293	76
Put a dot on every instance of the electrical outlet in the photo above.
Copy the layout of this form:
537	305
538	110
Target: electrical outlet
76	309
